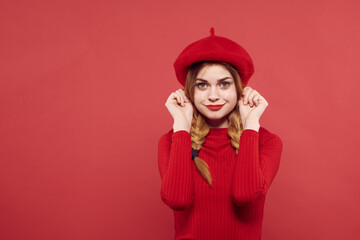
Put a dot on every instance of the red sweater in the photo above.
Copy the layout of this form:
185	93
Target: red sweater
232	208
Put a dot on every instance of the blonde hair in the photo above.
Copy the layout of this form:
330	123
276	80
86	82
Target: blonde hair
199	128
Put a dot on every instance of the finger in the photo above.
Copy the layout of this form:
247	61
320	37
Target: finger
257	99
242	94
251	97
241	103
246	95
186	98
171	97
182	92
175	96
181	97
246	89
263	101
178	96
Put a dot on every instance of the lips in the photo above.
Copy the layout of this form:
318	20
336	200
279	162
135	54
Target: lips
214	107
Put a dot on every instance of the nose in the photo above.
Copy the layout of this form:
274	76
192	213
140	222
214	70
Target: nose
213	95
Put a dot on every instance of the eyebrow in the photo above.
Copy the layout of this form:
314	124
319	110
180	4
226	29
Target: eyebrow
219	80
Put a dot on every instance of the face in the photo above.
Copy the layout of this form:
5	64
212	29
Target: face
215	86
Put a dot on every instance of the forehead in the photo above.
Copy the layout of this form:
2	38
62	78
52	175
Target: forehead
213	72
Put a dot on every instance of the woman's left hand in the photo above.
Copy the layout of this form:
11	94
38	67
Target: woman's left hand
251	106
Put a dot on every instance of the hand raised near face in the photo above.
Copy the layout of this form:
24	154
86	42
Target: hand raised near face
181	109
251	105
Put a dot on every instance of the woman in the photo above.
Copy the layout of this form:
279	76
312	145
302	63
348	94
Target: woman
217	163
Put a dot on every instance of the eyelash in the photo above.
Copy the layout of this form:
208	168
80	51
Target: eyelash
199	84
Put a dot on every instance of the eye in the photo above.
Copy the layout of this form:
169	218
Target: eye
224	84
201	85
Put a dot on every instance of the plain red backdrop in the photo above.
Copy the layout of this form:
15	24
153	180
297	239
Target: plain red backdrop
82	94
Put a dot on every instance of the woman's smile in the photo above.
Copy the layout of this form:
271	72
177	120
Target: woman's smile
215	107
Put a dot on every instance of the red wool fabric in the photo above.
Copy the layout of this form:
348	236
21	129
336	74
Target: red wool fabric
214	48
232	208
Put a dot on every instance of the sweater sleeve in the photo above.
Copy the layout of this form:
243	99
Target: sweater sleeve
256	167
176	169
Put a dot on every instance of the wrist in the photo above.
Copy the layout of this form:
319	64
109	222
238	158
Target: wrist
180	126
254	125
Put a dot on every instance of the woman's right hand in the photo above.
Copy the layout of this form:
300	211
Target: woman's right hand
181	109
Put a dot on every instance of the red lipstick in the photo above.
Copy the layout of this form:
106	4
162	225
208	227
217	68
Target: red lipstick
214	107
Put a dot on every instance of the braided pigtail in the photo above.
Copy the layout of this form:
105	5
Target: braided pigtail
198	133
235	128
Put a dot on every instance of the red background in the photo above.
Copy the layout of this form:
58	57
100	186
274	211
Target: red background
82	94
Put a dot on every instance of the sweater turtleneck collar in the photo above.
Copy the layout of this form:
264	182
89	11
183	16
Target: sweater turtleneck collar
216	140
218	133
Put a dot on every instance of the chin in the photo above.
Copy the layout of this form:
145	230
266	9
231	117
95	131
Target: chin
214	115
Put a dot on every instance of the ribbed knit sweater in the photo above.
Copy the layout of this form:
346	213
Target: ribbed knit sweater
232	208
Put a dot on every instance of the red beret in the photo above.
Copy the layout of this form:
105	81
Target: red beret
214	48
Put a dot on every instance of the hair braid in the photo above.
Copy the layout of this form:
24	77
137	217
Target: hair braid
198	133
235	128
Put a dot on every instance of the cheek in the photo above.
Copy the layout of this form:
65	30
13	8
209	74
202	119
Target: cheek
199	97
230	95
231	98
